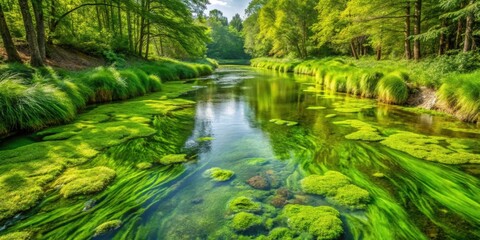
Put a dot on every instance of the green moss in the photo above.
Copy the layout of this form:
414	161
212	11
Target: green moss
257	161
76	182
244	221
323	185
60	136
205	139
331	115
316	108
378	175
107	227
351	196
430	148
365	131
322	222
244	204
173	159
219	175
17	194
17	236
283	122
281	233
144	165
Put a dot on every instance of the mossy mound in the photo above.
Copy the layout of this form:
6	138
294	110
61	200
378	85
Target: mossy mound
283	122
219	175
107	227
244	221
280	233
338	190
430	148
173	159
17	194
144	165
17	236
321	222
76	182
365	131
244	204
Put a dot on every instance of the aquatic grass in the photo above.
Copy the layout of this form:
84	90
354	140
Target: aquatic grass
368	83
392	89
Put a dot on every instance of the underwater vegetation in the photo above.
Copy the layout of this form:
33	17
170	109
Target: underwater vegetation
107	226
219	175
244	204
42	97
84	181
244	221
283	122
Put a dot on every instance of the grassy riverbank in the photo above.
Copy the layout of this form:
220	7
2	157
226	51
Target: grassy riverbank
34	98
394	82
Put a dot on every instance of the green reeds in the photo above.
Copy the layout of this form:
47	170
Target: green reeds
392	89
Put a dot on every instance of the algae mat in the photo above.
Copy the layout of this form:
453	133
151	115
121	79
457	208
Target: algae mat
216	166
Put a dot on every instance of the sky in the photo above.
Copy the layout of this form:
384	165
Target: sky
229	7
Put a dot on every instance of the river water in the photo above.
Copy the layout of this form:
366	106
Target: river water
421	170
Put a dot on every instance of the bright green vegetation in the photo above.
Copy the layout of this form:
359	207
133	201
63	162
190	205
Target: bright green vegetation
52	98
244	221
244	204
338	189
219	175
173	159
365	131
107	227
17	236
76	182
431	148
144	165
283	122
392	89
321	222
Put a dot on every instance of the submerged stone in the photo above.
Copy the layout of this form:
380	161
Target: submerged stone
321	222
107	227
259	182
76	182
173	159
218	174
244	221
244	204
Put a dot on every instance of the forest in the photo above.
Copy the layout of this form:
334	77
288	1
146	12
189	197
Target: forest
239	119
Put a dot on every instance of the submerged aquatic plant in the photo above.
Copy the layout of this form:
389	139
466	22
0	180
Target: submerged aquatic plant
244	221
219	175
244	204
80	182
107	227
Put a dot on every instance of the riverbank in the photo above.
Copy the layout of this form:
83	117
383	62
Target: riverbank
435	85
35	98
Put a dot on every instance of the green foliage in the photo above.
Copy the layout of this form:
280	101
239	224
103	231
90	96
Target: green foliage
76	182
244	221
244	204
107	227
219	175
392	89
321	222
144	165
17	236
227	41
173	159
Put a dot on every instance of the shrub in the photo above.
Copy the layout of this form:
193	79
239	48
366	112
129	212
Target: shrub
392	89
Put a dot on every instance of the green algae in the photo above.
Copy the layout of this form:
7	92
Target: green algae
173	159
205	139
257	161
283	122
316	108
17	236
330	115
144	165
219	175
76	182
365	131
244	204
429	148
338	190
280	233
321	222
107	227
244	221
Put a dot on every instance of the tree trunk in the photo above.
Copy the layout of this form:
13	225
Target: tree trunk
408	47
467	45
352	46
417	29
129	29
142	29
379	53
36	58
120	19
40	26
12	54
443	42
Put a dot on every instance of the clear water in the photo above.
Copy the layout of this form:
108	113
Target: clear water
415	198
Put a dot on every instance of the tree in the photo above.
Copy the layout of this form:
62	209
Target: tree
227	41
36	58
12	54
237	22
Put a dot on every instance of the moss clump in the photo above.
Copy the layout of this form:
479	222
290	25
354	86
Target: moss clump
219	175
17	236
281	233
429	148
76	182
283	122
326	184
322	222
365	131
144	165
244	221
107	227
244	204
173	159
337	188
316	108
17	193
205	139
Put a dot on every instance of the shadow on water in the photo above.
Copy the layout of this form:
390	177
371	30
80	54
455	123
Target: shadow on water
412	198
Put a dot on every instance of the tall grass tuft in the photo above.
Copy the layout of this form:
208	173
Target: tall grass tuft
368	83
461	93
392	89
